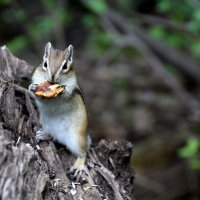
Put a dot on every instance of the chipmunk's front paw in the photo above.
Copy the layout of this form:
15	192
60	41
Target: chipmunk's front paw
41	134
78	171
32	87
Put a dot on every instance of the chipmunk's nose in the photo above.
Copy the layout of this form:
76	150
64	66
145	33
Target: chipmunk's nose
54	79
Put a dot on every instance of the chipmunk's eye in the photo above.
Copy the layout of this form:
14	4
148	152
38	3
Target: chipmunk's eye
64	66
45	64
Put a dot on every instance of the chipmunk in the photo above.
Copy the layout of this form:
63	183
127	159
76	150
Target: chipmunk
65	117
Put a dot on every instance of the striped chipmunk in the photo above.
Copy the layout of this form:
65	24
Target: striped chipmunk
63	118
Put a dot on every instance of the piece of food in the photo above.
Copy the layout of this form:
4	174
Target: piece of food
47	90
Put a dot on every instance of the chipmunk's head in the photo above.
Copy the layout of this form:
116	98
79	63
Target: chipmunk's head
57	64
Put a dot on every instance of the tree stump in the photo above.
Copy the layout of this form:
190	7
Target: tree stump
38	171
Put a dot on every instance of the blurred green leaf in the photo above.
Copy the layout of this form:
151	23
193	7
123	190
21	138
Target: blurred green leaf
193	26
89	20
190	149
195	163
5	2
98	6
174	9
170	68
196	15
49	3
17	44
163	6
157	32
120	83
195	47
99	42
64	17
125	4
20	15
182	13
104	39
175	40
41	26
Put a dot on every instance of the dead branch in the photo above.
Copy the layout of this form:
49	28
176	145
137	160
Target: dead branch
128	37
123	33
181	61
155	20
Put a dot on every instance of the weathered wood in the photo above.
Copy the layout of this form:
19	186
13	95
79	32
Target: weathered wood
38	171
22	177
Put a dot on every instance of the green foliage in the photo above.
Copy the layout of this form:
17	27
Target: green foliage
51	12
184	15
97	6
63	17
175	10
40	26
174	39
190	149
196	15
120	83
125	4
20	15
5	2
49	4
42	23
99	40
195	48
17	44
89	20
170	69
191	152
98	43
157	32
163	6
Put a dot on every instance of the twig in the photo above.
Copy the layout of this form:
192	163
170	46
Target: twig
155	20
128	36
108	55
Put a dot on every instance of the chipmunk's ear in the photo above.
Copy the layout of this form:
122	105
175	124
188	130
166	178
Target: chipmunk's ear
70	54
47	50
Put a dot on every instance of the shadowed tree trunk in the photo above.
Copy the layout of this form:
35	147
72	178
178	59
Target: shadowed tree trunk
38	171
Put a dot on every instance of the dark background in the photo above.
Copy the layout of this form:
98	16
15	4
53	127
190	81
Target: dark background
138	65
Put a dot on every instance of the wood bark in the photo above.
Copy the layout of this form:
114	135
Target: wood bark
38	171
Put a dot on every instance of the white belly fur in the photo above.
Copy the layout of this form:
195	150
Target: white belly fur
60	119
